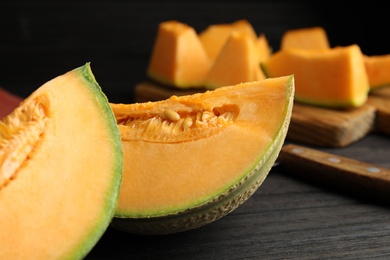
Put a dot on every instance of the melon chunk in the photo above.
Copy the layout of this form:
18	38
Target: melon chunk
237	62
378	70
313	38
214	37
189	160
178	57
264	50
334	77
60	170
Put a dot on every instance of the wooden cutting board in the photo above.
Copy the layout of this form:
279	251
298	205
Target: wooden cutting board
312	125
380	99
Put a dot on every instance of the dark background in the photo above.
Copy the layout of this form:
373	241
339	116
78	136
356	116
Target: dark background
40	40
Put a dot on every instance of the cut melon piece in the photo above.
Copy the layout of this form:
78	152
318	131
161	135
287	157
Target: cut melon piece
178	58
263	48
378	70
190	160
236	63
334	77
313	38
214	37
61	170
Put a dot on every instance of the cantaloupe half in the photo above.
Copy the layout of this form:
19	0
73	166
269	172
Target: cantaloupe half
237	62
334	77
378	70
313	38
190	160
178	58
61	170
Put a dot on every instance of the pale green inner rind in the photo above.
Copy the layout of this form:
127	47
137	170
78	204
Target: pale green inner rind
332	104
108	210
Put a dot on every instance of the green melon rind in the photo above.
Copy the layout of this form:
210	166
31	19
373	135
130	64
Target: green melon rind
108	210
222	205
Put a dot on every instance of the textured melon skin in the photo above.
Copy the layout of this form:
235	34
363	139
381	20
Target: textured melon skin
74	234
220	205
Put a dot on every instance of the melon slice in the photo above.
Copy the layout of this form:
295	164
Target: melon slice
61	170
214	37
313	38
178	58
378	70
335	77
237	62
190	160
263	48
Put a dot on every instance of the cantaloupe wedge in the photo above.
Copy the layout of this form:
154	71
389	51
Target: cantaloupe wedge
214	37
237	62
378	70
314	38
334	77
183	59
178	58
190	160
60	170
263	48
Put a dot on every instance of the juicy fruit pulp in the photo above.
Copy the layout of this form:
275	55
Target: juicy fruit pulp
334	77
190	160
57	194
216	57
310	38
178	57
214	37
378	67
235	63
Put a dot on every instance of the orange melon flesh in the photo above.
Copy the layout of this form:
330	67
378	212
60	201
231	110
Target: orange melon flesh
335	77
62	192
263	48
378	70
236	63
178	57
171	166
313	38
214	37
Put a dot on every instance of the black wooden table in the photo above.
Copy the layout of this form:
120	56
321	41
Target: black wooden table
287	218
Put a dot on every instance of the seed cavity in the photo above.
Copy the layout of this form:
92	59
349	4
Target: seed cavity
170	126
20	132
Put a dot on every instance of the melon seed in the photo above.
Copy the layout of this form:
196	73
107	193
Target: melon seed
206	115
172	115
187	123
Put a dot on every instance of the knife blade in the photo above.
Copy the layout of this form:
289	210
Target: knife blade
337	172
